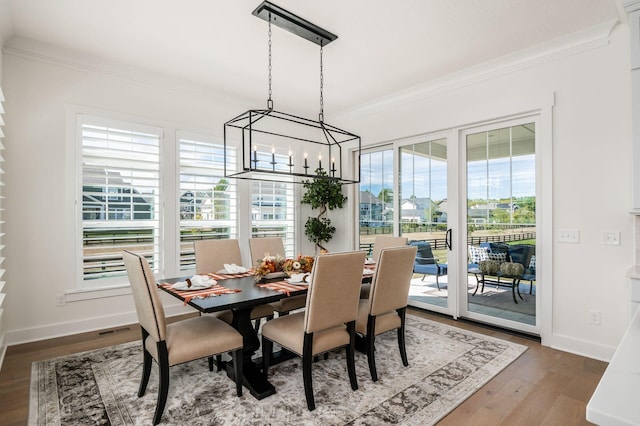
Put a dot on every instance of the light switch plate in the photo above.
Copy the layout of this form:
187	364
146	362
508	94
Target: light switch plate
611	238
571	236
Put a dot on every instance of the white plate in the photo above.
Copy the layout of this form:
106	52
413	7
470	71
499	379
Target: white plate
367	272
182	285
369	262
298	280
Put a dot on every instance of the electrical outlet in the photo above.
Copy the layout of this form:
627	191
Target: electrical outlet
61	300
594	317
571	236
611	238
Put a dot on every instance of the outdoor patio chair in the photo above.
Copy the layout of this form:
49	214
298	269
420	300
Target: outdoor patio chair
426	263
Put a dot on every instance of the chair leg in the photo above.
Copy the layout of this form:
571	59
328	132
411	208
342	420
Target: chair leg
218	362
237	369
370	342
146	365
267	348
437	282
163	385
256	324
351	349
307	350
401	340
530	286
210	359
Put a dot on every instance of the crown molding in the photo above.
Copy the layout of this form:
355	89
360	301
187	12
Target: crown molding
568	45
43	52
631	5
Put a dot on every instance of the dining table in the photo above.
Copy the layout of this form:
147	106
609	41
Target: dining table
240	293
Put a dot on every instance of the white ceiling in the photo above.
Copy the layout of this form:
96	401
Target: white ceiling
383	46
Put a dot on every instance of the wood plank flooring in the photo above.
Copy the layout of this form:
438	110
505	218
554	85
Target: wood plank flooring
542	387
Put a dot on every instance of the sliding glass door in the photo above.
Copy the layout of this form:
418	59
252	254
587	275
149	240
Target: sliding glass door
501	225
467	198
422	217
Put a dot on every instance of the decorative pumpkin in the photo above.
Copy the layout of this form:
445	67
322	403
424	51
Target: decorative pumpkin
511	269
489	266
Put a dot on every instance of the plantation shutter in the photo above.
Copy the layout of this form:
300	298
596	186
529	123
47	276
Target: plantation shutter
120	195
207	199
272	212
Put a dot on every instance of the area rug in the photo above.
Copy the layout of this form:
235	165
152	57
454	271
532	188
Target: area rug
446	366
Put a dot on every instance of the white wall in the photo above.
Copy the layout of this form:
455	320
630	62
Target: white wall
591	178
591	148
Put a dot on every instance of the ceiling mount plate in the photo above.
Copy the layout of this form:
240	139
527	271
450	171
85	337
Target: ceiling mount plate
293	23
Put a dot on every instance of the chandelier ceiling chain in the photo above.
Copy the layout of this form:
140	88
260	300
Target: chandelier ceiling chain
269	100
321	115
274	146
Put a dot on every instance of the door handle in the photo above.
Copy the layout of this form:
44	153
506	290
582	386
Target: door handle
448	239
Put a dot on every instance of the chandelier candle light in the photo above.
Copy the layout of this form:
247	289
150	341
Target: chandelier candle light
257	130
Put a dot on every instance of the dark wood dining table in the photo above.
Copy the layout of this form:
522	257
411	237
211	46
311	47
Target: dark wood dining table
240	303
250	295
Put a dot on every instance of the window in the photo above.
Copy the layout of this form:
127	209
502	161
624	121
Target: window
120	175
376	195
207	203
272	213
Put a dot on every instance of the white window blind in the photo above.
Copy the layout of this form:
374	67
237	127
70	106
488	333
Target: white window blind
207	199
272	212
120	174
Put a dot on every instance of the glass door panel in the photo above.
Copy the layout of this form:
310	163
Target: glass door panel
376	196
423	218
501	227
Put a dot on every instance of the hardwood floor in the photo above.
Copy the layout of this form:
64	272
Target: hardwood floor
542	387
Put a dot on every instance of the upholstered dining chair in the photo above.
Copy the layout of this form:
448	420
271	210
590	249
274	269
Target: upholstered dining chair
179	342
328	321
211	255
274	245
386	306
381	242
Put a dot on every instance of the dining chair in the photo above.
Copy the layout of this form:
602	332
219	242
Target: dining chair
274	245
379	243
211	255
386	306
327	323
179	342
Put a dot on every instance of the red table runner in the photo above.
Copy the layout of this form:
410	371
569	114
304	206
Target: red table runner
214	290
284	287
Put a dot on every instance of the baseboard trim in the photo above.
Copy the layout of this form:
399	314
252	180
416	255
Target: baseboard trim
51	331
3	349
580	347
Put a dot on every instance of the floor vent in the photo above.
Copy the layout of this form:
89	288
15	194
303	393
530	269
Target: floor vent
113	331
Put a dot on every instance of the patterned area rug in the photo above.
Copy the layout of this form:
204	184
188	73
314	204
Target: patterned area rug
446	366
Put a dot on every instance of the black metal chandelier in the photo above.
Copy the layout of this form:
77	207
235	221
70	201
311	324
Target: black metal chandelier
278	146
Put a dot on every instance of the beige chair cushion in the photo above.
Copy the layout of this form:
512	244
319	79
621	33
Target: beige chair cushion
211	255
386	241
389	290
197	338
385	322
145	295
260	246
334	292
392	278
288	331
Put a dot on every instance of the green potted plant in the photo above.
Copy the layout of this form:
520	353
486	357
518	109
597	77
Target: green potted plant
322	193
